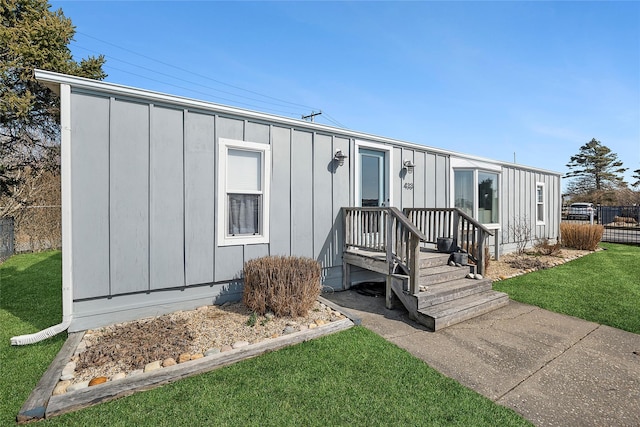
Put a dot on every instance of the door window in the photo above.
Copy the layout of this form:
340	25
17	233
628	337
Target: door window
372	178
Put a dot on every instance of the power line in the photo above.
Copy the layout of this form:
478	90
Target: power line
278	103
200	92
194	73
112	58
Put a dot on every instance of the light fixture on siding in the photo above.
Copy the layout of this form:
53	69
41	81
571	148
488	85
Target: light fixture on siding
339	157
409	166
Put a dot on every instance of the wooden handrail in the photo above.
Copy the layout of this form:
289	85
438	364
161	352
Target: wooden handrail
405	221
388	230
468	234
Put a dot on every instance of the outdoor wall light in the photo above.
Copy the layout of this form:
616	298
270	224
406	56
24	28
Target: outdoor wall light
409	166
339	157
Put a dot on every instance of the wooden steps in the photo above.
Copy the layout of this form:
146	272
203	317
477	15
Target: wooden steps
450	291
446	295
448	313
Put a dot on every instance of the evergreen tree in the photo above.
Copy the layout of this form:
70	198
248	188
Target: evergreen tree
32	36
636	176
596	167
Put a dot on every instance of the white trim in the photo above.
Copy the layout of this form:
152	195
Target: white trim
222	210
52	79
476	202
67	214
459	163
388	166
543	203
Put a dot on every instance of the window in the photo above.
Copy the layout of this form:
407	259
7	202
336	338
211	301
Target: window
476	194
487	197
243	192
464	191
540	203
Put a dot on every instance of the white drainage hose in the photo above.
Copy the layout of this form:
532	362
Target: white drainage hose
42	335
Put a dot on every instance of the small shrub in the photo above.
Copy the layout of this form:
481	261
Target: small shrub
581	236
544	247
251	321
288	286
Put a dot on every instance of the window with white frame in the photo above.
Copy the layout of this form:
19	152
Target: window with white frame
476	193
244	170
540	203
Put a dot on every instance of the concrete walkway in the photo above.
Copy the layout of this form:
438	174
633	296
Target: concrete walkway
554	370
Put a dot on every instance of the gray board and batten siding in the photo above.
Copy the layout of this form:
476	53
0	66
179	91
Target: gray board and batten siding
144	197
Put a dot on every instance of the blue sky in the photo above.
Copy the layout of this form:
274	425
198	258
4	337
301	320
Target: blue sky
486	78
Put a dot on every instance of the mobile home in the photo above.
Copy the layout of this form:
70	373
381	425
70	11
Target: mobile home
165	198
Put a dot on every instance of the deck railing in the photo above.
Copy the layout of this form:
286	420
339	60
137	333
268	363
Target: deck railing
387	230
467	233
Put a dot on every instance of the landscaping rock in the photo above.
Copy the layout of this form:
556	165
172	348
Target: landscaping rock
312	325
226	348
79	386
97	380
212	351
66	377
169	361
240	344
184	357
289	330
153	366
61	388
197	356
118	376
135	373
82	347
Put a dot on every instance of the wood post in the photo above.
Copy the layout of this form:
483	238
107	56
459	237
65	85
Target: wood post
481	252
414	264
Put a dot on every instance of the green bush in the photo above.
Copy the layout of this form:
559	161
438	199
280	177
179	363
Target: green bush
581	236
288	286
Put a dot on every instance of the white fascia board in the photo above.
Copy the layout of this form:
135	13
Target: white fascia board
50	78
466	163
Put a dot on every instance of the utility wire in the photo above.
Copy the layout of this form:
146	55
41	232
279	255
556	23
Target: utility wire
196	74
200	92
279	101
112	58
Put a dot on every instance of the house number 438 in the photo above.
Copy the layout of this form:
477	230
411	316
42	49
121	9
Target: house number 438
408	185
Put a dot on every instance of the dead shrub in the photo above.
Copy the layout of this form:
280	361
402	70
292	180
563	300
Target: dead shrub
521	230
544	247
288	286
581	236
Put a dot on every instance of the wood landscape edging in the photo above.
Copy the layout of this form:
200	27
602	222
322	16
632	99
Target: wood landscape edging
41	404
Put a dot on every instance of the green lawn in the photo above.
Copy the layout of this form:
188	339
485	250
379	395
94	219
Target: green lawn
603	287
350	378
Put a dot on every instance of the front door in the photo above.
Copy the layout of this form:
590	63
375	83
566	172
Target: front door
373	188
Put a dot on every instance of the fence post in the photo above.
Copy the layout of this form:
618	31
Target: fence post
6	237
